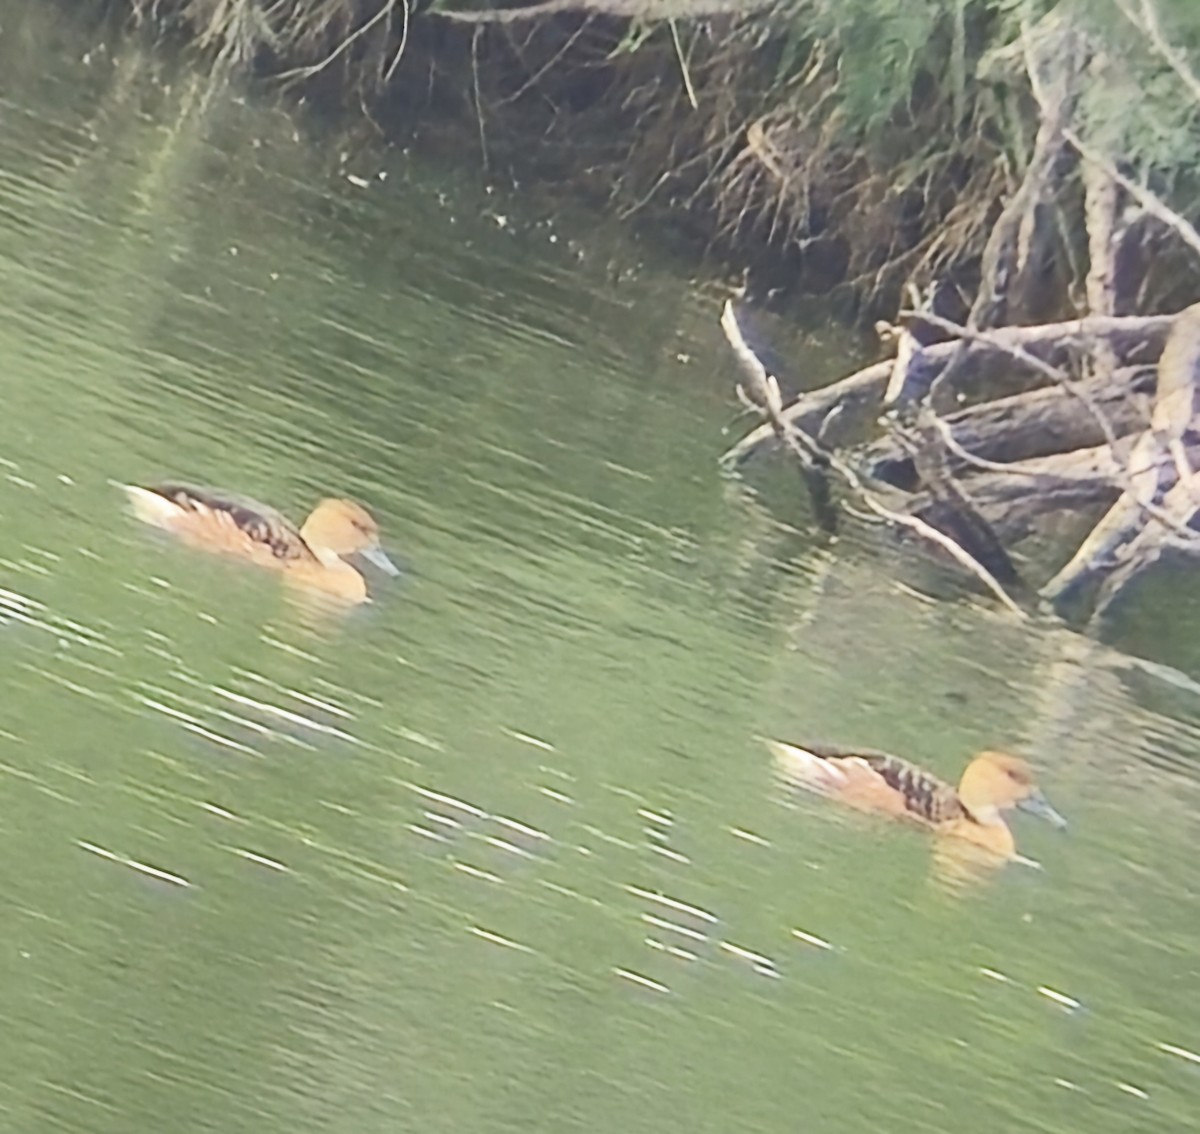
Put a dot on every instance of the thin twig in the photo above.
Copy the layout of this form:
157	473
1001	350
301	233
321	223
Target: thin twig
634	9
478	99
535	77
316	68
683	67
387	75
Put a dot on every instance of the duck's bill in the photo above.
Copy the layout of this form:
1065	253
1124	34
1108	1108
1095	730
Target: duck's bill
377	557
1037	804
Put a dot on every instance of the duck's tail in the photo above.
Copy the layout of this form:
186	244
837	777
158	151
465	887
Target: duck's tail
806	769
150	507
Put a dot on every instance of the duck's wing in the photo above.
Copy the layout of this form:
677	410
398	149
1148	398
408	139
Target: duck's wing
925	795
242	516
869	779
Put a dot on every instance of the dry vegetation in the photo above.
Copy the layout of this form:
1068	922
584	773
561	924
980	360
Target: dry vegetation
860	143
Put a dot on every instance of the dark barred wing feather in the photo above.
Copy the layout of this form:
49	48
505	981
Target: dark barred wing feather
260	522
925	794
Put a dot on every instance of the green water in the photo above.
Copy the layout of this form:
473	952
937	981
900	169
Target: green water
499	851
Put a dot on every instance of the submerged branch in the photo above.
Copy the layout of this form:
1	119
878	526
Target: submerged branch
976	550
933	535
759	391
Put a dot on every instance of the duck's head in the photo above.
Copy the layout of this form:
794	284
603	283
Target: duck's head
996	781
346	528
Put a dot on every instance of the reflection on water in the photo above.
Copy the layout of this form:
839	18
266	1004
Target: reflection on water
499	849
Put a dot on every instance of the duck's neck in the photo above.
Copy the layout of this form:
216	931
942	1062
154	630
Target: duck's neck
331	574
327	557
985	814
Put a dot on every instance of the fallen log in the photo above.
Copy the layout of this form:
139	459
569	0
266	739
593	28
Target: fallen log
1134	340
1026	426
1060	480
1158	501
1014	500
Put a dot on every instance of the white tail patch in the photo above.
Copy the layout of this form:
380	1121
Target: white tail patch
807	769
150	507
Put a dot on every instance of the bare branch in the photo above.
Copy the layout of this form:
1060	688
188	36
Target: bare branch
760	392
315	68
387	77
928	532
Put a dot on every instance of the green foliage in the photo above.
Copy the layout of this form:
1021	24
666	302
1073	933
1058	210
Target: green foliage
882	121
888	50
1137	105
883	49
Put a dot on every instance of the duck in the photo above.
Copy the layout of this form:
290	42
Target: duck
314	555
870	780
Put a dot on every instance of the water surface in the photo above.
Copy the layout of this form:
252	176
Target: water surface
501	850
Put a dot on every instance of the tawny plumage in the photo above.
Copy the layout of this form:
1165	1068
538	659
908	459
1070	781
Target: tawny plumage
313	555
875	781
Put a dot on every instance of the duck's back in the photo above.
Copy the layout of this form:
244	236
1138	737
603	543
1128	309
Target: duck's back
873	780
925	795
232	522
